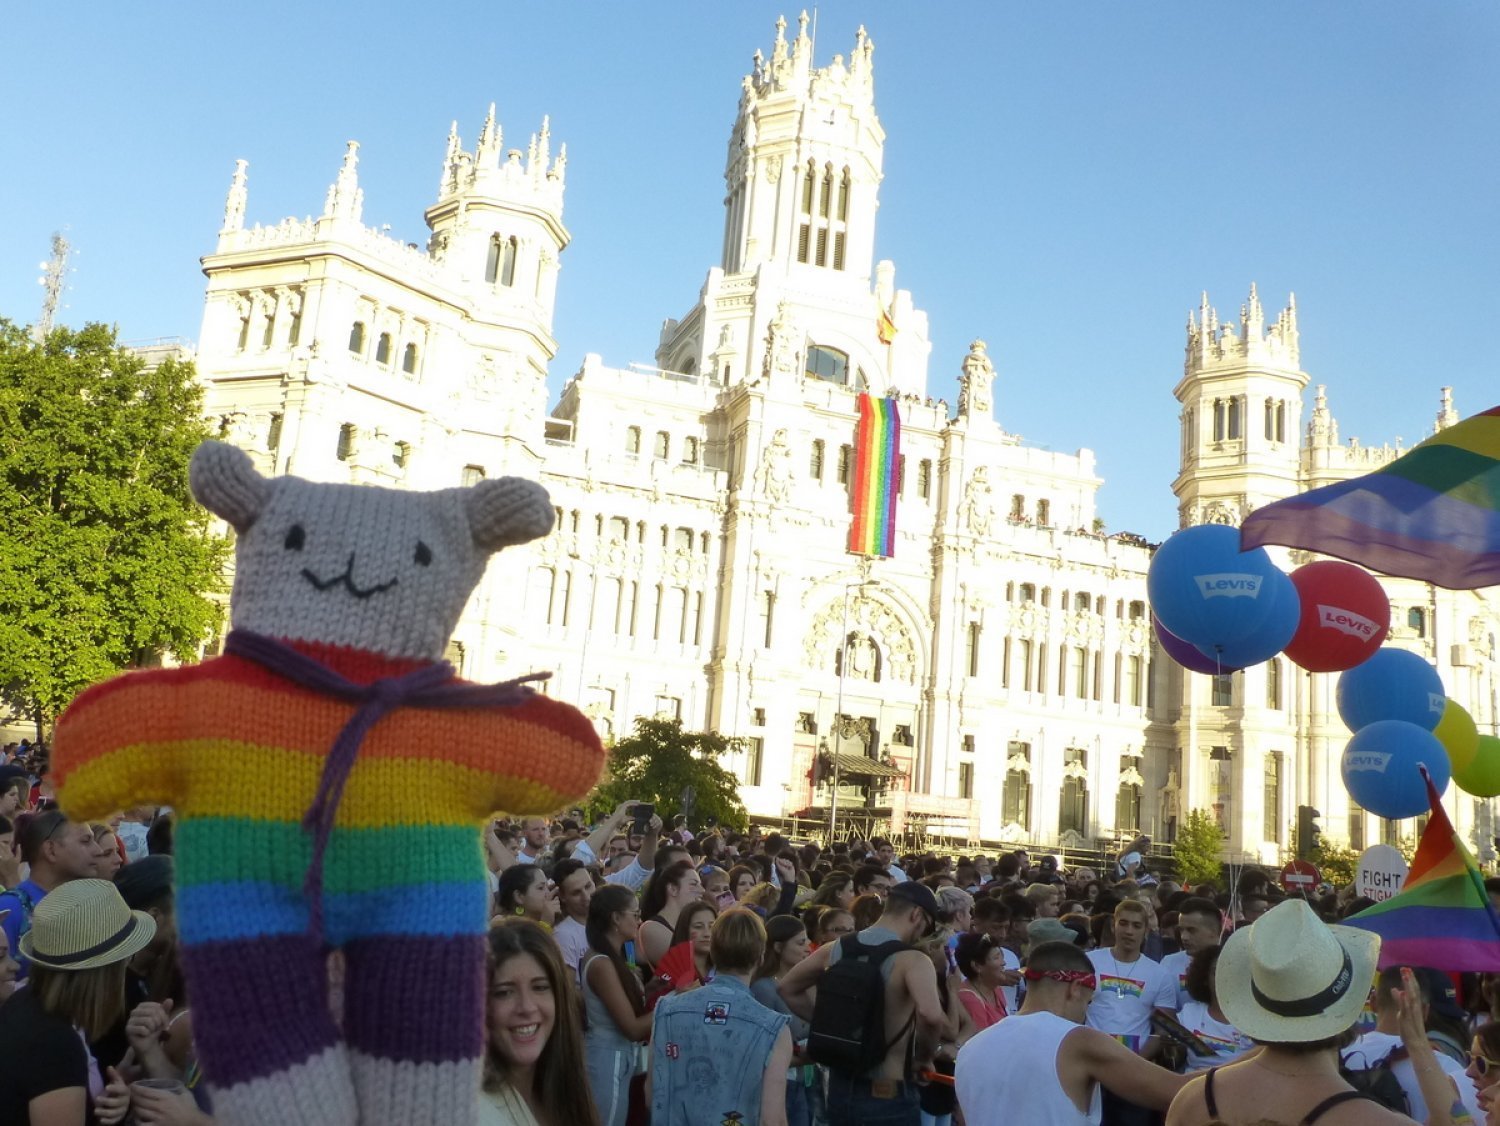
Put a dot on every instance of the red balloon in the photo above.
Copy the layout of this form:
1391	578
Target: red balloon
1345	616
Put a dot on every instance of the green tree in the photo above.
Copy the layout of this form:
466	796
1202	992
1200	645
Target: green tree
660	761
106	562
1335	864
1199	848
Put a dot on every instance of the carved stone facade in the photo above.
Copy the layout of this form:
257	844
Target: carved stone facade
699	565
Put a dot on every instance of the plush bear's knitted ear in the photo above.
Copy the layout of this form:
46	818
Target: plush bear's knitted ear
226	482
507	511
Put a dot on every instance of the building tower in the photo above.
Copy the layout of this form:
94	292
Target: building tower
802	180
1241	395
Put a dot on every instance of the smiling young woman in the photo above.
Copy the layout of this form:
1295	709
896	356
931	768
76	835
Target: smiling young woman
535	1052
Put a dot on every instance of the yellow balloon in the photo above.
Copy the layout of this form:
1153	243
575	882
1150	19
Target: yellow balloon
1458	735
1481	776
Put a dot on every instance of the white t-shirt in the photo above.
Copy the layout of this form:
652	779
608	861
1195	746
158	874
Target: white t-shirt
1372	1047
1227	1041
1176	966
1128	993
572	941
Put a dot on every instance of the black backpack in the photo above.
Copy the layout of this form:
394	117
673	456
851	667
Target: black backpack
848	1025
1378	1082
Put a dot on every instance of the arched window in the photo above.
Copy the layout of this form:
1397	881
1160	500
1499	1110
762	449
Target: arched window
1273	684
500	264
1044	513
1270	420
1017	508
409	359
357	338
633	440
825	198
1233	428
383	349
804	231
663	446
690	451
1218	420
1015	804
827	364
1281	421
843	212
1416	621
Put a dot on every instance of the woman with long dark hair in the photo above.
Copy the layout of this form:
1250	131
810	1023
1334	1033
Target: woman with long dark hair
666	895
534	1034
613	1002
526	893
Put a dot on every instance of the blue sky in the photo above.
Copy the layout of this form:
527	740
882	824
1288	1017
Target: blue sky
1060	179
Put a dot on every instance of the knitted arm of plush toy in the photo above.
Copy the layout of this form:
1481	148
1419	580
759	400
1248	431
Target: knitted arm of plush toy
112	749
543	754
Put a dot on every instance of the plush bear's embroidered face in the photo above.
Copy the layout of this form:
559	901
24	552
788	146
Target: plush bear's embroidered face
379	569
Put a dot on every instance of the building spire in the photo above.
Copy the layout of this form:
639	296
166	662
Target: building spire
1446	415
234	204
346	200
487	150
543	155
450	161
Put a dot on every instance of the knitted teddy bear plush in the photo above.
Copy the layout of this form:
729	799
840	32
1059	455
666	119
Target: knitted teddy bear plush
328	775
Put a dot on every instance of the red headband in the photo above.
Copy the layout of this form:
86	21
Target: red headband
1085	978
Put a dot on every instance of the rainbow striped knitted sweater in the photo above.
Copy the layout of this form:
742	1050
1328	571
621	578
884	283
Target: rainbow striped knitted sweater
238	751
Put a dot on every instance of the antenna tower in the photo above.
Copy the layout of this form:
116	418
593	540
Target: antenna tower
52	281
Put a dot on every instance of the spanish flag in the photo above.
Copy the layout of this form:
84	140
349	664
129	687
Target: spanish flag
885	327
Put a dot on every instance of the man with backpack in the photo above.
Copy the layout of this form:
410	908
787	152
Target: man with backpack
1378	1065
875	1013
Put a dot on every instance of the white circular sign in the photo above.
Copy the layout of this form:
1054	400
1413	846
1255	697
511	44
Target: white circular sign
1380	873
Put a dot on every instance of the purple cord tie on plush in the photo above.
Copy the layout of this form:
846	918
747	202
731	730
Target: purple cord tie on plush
431	686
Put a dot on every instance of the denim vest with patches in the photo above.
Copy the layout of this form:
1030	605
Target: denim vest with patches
709	1049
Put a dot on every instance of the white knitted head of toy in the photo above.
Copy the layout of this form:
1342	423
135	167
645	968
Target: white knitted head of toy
384	570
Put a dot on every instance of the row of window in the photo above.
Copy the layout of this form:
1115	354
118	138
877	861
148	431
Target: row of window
661	446
823	216
258	317
1231	418
1024	666
1223	690
618	529
384	349
620	606
1081	602
844	469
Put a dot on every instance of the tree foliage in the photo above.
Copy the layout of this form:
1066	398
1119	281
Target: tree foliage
1336	864
661	760
105	559
1199	848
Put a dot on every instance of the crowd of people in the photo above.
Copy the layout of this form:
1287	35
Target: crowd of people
641	974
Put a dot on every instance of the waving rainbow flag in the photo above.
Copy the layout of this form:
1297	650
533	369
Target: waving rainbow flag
1442	916
1432	514
877	458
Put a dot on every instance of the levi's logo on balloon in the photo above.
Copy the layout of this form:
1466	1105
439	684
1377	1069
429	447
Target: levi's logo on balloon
1367	760
1228	585
1346	621
1436	702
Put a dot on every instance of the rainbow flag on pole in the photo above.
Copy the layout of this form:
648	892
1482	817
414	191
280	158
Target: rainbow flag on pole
877	457
1432	514
1442	916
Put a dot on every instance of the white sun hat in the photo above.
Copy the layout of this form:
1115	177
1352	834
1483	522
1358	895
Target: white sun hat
1290	978
84	924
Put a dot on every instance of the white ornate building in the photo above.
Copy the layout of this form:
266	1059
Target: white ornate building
992	680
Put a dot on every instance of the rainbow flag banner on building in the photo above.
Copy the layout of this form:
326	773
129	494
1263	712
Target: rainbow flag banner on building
1442	916
1432	514
877	457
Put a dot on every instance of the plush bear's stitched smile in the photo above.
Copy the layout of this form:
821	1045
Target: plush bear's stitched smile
347	578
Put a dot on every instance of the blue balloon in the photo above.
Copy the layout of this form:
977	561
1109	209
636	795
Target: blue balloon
1392	684
1380	768
1272	635
1207	591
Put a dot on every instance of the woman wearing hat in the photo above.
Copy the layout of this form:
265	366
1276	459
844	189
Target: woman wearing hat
1295	985
82	934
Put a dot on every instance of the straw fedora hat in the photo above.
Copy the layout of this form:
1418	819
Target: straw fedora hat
1290	978
84	924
